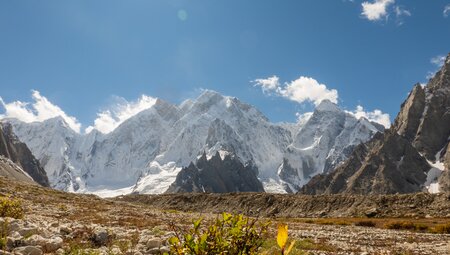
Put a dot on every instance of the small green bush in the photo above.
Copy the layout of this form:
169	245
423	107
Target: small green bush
11	208
229	234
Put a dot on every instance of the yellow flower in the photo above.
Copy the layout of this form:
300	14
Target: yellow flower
282	235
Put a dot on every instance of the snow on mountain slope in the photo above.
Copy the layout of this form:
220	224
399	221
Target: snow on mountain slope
145	153
324	141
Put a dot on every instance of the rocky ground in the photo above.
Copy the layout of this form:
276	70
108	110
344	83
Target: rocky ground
62	223
304	206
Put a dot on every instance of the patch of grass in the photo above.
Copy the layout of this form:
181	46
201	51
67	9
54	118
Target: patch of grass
77	250
270	247
172	211
124	245
3	235
301	247
407	225
156	231
400	225
365	223
10	207
442	229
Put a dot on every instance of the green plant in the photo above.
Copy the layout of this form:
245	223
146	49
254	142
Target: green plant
123	245
11	208
228	234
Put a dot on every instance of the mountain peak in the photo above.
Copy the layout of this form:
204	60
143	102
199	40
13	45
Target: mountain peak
327	106
208	95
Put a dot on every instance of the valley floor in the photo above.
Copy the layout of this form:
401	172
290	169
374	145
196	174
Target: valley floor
64	223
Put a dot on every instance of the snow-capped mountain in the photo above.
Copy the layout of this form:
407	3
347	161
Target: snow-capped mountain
326	139
412	156
146	152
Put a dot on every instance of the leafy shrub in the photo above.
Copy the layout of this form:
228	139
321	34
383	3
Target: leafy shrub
365	223
11	208
229	234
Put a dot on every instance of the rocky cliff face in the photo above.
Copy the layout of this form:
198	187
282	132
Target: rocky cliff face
17	161
217	175
412	156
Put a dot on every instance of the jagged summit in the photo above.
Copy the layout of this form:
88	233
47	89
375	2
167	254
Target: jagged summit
442	78
412	156
327	106
218	175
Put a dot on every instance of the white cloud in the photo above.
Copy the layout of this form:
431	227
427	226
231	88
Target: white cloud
438	60
429	75
446	11
306	89
39	110
376	10
301	90
108	120
400	13
268	85
376	116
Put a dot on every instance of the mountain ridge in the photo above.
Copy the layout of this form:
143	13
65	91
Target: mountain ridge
155	144
412	156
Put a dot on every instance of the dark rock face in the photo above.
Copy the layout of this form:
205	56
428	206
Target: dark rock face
18	153
388	164
396	161
217	176
425	116
409	117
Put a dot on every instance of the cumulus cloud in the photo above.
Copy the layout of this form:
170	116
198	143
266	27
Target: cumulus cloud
303	89
306	89
375	116
268	85
376	10
446	11
108	120
39	110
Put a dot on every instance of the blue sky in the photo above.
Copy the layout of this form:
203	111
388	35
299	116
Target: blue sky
83	55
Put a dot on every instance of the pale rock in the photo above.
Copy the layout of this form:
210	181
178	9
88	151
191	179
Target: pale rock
28	250
154	243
